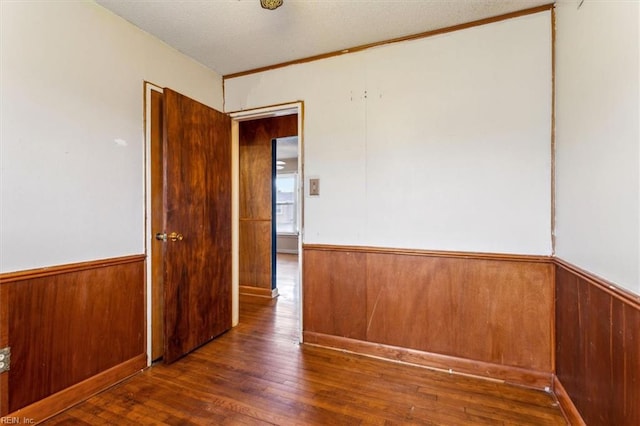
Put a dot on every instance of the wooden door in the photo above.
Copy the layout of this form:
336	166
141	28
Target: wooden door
197	210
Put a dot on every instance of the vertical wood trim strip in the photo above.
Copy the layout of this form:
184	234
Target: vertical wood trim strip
4	341
553	131
553	180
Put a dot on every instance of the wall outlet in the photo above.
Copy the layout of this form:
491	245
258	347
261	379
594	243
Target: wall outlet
314	186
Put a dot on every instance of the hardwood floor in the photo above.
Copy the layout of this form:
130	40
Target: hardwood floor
258	374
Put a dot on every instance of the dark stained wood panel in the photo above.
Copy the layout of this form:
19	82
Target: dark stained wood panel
256	183
255	156
68	327
488	310
335	293
256	196
197	197
255	256
493	311
597	349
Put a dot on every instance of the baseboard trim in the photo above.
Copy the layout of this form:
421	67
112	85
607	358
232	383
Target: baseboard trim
449	364
257	291
60	401
286	251
569	410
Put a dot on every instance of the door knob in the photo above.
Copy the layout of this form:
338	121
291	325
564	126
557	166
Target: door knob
174	236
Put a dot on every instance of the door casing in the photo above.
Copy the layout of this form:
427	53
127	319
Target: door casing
236	118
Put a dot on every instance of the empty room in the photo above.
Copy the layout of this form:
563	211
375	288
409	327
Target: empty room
301	212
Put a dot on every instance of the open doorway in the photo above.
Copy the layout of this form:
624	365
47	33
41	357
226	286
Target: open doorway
267	228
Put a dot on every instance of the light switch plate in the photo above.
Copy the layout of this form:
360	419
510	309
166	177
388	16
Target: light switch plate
314	186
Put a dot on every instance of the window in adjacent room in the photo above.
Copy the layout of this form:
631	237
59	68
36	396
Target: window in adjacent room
286	203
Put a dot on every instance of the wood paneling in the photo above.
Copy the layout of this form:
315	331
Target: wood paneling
255	256
66	327
597	347
72	395
491	310
567	406
486	310
255	162
256	196
335	293
257	373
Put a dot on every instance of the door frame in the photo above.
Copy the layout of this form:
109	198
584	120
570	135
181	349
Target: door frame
254	114
148	88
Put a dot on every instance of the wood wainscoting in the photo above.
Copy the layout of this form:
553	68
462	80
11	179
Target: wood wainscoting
480	314
73	331
597	349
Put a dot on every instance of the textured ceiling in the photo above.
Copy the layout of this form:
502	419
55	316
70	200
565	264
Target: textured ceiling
231	36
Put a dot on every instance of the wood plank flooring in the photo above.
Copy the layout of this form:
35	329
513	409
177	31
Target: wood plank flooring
258	374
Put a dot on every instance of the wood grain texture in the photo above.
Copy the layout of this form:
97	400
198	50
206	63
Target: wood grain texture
157	226
335	293
197	197
493	311
29	274
597	349
257	374
449	364
255	156
68	397
68	327
255	255
569	410
256	196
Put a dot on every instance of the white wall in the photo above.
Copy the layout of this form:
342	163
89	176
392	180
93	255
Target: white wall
597	137
440	143
71	150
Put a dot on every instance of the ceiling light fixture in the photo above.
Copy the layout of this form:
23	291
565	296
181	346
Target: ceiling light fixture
280	163
270	4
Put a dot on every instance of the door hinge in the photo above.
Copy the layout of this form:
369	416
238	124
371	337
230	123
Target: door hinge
5	359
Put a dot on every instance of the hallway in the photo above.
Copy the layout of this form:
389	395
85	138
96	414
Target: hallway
257	373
